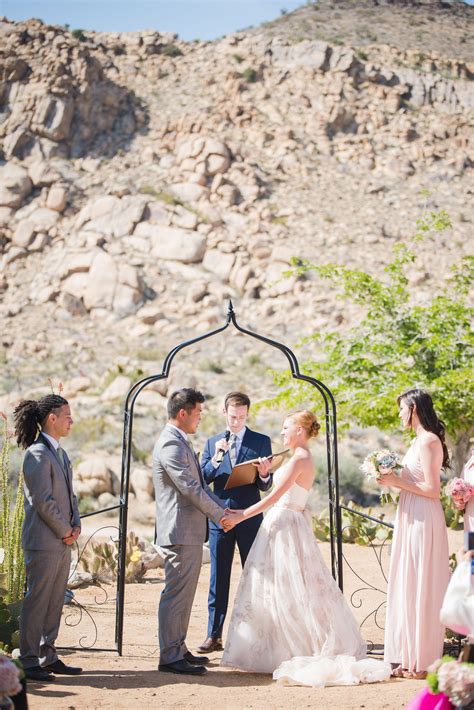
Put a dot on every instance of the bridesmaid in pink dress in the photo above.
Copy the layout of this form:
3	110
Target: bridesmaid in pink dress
419	564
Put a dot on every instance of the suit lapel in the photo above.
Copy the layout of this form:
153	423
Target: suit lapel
190	448
65	471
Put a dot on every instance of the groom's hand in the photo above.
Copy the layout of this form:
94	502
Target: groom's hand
230	519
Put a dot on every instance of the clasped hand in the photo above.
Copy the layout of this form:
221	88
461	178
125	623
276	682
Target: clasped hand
72	536
230	519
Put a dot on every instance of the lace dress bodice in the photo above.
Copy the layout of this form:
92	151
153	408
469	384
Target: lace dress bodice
295	498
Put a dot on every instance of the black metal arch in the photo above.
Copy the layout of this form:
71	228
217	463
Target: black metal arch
331	448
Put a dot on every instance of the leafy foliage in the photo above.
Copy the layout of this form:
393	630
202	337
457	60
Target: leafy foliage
397	344
355	528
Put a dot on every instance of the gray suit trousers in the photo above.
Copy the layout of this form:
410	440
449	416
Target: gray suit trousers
47	573
182	567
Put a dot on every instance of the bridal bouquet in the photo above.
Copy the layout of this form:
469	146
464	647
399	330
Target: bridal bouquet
381	463
460	491
453	678
9	677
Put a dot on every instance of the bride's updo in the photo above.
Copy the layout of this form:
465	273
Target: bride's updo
308	421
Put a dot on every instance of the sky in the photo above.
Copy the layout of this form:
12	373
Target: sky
191	19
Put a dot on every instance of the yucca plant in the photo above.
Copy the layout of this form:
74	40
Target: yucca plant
12	567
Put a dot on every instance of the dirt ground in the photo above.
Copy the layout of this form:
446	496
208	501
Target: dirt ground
133	681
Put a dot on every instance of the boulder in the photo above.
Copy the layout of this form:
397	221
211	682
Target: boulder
173	243
112	216
15	185
219	263
43	174
142	484
188	191
57	198
117	389
75	284
53	117
101	282
24	234
93	476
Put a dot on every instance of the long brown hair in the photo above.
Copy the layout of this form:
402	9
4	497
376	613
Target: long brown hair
426	414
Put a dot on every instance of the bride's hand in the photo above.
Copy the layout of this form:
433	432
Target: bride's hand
233	517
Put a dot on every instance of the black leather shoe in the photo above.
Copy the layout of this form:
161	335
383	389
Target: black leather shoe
61	668
182	667
39	674
210	645
195	660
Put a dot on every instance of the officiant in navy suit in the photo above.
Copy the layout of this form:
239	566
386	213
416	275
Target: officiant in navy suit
221	453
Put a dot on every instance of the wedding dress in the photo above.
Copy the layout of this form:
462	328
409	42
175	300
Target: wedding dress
289	617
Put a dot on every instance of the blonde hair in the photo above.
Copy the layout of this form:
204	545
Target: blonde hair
308	421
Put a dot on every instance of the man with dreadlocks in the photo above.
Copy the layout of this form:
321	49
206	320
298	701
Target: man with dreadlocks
52	524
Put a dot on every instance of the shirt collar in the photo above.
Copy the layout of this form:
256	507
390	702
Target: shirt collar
180	431
51	440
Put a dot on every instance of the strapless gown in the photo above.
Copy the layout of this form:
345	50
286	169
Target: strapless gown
289	616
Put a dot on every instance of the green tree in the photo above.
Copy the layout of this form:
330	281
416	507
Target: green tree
396	345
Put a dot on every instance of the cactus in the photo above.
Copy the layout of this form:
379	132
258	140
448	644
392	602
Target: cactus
12	564
100	559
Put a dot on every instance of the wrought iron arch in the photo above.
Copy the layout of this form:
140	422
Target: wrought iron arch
331	448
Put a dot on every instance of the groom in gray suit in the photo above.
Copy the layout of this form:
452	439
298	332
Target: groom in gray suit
183	504
52	524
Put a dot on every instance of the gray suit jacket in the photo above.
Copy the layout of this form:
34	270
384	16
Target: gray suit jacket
50	504
183	500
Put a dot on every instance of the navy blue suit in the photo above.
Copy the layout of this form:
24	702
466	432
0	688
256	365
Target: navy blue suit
221	544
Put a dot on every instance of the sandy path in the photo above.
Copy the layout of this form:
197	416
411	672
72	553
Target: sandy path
132	680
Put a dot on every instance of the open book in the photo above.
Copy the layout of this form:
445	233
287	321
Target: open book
244	473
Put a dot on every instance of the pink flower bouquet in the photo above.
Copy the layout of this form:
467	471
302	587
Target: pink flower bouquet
9	677
460	491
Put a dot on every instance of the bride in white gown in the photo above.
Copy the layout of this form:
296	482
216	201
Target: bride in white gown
289	617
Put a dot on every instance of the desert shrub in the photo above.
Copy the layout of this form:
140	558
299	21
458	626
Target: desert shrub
250	75
171	50
79	34
356	529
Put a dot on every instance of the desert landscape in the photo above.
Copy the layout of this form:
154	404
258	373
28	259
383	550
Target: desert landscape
145	182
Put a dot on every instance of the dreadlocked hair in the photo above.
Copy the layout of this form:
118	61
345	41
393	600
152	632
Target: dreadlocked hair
30	415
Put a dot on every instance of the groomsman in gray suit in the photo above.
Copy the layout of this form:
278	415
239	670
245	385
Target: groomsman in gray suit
183	504
51	526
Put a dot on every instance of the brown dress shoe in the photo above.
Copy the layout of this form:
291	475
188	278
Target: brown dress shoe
210	645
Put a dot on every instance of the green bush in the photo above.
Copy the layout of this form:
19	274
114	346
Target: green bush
250	75
355	528
79	34
171	50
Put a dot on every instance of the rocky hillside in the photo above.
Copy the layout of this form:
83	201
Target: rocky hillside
145	180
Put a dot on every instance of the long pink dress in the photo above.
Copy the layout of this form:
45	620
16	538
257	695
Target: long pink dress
418	578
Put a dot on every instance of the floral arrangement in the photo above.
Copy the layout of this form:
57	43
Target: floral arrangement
9	677
453	678
379	464
460	492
